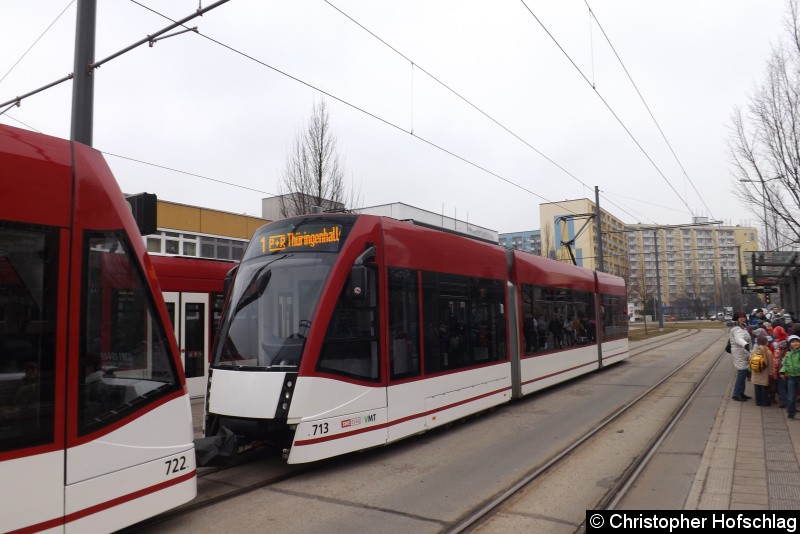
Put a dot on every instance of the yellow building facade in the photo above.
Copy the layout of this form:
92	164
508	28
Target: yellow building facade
699	265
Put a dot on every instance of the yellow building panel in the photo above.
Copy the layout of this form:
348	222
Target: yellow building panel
221	223
178	216
206	221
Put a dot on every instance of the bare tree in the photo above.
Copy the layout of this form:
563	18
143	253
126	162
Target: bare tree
765	143
314	173
636	289
548	248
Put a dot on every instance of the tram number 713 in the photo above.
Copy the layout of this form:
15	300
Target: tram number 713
175	465
320	429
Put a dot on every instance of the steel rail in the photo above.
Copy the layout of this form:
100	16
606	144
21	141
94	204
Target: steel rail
485	511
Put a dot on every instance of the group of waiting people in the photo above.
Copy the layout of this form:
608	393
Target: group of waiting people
778	342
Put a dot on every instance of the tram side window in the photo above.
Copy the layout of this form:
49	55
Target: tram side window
403	323
125	358
556	318
487	320
28	307
464	321
351	342
584	320
615	316
534	323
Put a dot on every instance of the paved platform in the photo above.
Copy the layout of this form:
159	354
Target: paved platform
751	459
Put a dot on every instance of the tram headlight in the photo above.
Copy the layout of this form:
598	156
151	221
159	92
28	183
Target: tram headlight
285	405
287	395
289	384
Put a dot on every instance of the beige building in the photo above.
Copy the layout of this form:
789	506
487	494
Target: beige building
573	220
699	264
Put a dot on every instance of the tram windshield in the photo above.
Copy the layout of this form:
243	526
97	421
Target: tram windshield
276	291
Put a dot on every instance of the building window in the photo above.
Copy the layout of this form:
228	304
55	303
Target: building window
153	245
196	246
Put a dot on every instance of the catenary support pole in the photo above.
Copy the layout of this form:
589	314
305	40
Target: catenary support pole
599	232
83	81
659	311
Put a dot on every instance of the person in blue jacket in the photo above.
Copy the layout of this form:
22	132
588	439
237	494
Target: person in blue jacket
757	318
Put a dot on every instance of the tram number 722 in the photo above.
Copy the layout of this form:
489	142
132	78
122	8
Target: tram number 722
176	464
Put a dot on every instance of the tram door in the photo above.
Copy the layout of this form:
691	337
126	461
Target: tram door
189	315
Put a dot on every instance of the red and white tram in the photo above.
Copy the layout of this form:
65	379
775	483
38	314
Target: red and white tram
193	292
344	332
95	425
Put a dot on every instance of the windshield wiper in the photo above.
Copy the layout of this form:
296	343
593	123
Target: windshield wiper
257	284
255	288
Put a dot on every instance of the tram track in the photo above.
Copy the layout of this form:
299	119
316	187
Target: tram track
660	341
218	491
211	500
482	518
626	481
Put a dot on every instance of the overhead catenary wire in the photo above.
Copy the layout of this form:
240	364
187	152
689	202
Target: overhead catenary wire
165	167
411	132
617	206
195	175
604	195
608	106
649	203
155	36
647	107
150	38
37	40
364	111
464	99
28	126
457	94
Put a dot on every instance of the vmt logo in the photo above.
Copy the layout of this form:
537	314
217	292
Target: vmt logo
370	418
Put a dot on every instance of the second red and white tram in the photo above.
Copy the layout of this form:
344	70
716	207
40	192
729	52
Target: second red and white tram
95	424
344	332
193	292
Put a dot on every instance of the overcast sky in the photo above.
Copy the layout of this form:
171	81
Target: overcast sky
527	128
